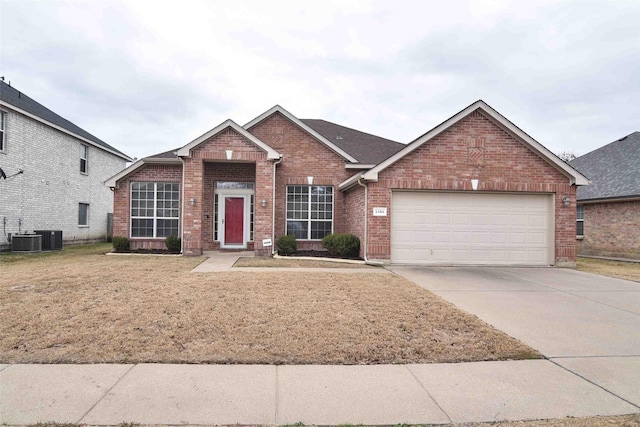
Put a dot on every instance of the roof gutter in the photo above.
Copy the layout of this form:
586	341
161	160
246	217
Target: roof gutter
613	199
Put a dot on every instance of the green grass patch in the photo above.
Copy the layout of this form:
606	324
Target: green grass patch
67	251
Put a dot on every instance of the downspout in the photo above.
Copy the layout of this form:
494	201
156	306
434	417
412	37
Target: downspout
273	207
366	224
182	212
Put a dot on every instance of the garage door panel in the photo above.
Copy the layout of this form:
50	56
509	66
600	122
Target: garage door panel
470	228
539	238
537	221
460	237
481	237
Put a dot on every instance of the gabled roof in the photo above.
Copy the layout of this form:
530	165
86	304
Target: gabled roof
18	101
173	156
278	109
614	170
366	148
497	118
186	150
166	158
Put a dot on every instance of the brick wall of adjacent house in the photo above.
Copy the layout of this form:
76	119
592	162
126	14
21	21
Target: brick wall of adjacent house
611	229
47	194
198	186
474	148
303	156
122	197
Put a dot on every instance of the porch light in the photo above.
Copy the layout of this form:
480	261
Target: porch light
192	202
474	184
263	203
310	180
566	201
229	154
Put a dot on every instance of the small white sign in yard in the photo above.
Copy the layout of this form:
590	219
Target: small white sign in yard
379	211
266	242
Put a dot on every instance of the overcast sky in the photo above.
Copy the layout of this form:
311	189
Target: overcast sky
149	76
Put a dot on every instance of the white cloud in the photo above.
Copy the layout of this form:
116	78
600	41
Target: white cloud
148	76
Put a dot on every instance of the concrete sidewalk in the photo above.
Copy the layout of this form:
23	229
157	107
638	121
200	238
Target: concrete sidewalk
321	395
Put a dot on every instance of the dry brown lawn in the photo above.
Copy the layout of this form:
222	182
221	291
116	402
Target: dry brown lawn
632	420
618	269
81	306
294	262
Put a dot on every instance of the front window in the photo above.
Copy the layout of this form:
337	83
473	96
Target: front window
84	159
83	214
155	208
3	118
580	221
309	211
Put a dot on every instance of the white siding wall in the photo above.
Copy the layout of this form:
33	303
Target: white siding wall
47	194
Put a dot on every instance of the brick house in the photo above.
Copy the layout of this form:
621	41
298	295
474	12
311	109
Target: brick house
473	190
55	172
608	223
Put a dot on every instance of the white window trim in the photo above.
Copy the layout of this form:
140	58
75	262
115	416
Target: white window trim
155	206
580	236
87	215
309	220
86	160
3	129
224	192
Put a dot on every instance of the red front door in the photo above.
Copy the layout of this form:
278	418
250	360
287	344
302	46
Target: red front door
234	220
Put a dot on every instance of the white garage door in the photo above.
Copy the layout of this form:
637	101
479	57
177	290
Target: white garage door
470	228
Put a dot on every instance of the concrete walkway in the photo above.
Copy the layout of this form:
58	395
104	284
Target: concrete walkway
321	395
218	262
586	325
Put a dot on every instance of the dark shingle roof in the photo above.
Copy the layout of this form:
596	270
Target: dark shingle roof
171	154
366	148
12	96
614	170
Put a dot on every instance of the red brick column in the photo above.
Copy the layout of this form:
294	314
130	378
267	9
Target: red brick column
192	215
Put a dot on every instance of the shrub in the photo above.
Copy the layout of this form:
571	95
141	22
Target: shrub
344	244
287	245
173	244
120	244
329	243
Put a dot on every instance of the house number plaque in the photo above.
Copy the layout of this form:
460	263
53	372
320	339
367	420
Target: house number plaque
379	211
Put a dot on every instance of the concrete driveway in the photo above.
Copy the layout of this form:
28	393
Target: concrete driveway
585	323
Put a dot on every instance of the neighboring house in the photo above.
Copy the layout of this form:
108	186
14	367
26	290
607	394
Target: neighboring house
54	172
473	190
608	214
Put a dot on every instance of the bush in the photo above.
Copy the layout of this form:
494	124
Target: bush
173	243
344	244
120	244
287	245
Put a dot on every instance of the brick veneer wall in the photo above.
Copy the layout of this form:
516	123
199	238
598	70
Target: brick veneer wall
303	156
354	200
218	171
196	181
122	197
611	229
474	148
